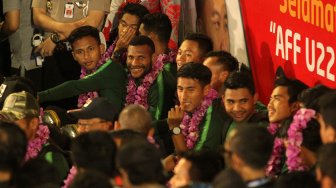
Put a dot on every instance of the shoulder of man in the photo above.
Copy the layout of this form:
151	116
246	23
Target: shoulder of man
169	79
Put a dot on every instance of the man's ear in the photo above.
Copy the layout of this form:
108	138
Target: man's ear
318	174
237	163
154	57
206	89
294	106
73	55
153	36
223	75
34	123
116	125
331	134
151	132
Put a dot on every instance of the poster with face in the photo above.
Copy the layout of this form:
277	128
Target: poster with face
221	21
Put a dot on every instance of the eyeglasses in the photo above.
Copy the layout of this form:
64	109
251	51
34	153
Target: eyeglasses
124	24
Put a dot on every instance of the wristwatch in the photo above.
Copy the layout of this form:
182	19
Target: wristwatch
175	131
55	38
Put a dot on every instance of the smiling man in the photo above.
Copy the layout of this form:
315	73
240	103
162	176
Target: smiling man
240	99
193	49
148	83
284	99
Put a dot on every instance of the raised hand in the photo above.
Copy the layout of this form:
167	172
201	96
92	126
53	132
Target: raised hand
175	116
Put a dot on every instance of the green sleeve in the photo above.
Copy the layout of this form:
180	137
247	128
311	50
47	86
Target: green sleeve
153	100
213	136
108	80
162	95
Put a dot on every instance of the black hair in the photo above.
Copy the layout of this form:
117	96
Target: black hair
143	40
225	60
88	179
228	178
326	160
294	87
95	150
13	143
159	24
142	162
84	31
204	42
311	134
310	96
237	80
297	179
135	9
37	173
327	106
205	165
196	71
253	144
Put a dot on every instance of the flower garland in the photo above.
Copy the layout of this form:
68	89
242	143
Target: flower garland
84	72
138	95
294	140
274	164
70	177
189	126
167	58
35	145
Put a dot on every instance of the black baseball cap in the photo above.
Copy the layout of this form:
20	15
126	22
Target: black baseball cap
99	108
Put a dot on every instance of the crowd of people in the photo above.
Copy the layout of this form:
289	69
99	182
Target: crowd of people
131	112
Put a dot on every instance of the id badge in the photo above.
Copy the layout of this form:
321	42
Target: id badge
39	61
69	10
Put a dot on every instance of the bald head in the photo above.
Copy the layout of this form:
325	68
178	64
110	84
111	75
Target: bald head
136	118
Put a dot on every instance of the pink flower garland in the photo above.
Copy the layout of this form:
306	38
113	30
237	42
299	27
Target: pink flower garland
84	72
190	126
70	177
35	145
295	138
138	95
167	58
293	150
274	164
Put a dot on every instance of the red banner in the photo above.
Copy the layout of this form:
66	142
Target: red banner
298	35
